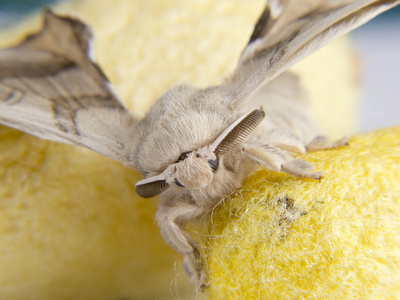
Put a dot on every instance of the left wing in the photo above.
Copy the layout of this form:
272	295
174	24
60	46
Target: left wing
51	88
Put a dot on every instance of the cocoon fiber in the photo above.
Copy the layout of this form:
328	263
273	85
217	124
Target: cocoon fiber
72	227
285	238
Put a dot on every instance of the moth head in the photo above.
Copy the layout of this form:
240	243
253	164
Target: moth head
196	169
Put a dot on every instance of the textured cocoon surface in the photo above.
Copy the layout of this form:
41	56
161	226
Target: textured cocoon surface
286	238
71	225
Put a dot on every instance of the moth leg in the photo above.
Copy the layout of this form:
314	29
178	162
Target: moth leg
301	168
322	142
194	268
277	160
173	231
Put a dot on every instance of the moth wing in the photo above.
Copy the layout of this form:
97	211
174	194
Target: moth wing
289	30
51	88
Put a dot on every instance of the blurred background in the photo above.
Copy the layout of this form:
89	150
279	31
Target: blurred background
377	43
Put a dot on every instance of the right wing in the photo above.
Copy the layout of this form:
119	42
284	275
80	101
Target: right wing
290	30
51	88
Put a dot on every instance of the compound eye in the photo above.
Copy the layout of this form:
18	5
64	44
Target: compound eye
213	164
178	183
183	156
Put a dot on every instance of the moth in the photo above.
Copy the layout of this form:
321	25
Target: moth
194	146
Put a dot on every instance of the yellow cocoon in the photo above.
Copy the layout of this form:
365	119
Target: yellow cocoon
71	225
282	237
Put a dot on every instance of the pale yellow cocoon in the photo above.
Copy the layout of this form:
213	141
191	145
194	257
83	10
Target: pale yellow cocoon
71	225
282	237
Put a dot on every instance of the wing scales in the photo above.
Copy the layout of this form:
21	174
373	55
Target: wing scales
50	88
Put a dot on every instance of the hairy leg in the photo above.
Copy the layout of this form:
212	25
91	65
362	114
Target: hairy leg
323	142
171	221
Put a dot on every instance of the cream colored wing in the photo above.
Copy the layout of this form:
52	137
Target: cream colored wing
51	88
289	30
